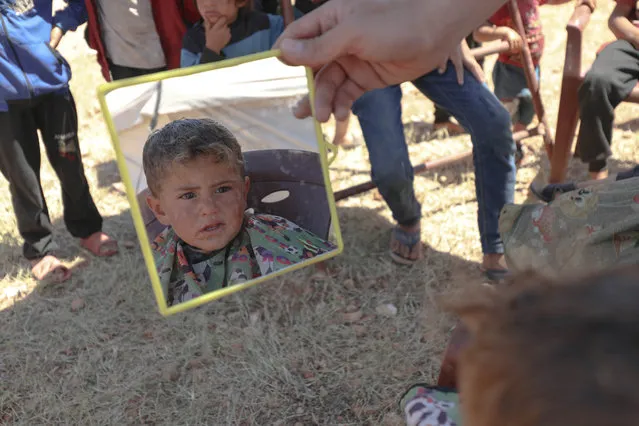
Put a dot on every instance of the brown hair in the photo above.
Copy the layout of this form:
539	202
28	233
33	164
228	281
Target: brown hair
184	140
247	7
552	352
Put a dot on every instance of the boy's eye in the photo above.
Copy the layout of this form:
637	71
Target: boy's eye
223	189
188	196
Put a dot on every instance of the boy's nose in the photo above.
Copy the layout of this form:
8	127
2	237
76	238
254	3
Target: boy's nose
209	205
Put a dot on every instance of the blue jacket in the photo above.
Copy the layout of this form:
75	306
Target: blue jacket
252	32
29	67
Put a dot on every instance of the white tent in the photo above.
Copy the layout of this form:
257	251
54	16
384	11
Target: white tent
253	100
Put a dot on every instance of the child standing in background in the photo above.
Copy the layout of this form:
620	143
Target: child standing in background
229	29
35	98
509	77
612	77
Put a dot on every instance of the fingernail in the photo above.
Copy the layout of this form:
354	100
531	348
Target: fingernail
293	47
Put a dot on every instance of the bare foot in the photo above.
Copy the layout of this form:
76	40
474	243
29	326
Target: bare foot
599	175
406	244
100	244
452	128
50	268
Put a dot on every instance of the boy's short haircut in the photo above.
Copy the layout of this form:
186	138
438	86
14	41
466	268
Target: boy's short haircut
184	140
553	352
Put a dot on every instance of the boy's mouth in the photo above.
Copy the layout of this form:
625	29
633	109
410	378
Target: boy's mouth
212	227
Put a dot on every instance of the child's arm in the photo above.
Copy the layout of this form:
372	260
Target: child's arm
218	36
591	3
276	28
556	2
621	25
68	19
490	32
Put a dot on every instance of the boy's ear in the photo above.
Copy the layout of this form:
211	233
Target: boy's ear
247	187
156	207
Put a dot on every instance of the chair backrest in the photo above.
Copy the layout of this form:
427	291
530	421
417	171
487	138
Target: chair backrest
287	183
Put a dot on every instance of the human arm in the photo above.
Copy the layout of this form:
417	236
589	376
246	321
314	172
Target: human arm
621	25
490	32
67	19
361	45
218	36
463	59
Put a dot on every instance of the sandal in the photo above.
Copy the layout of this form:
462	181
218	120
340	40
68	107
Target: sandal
100	244
401	238
549	192
51	269
496	275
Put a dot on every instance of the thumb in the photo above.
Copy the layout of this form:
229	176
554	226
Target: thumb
317	51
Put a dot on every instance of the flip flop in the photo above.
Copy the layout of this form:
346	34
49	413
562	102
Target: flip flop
496	275
406	239
100	244
549	192
49	268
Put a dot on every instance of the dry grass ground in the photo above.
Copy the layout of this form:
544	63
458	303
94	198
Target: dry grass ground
292	351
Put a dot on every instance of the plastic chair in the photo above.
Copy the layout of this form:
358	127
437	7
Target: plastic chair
568	115
287	183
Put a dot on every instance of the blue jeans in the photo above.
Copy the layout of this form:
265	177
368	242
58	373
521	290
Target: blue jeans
479	111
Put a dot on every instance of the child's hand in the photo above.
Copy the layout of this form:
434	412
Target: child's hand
56	36
512	37
218	35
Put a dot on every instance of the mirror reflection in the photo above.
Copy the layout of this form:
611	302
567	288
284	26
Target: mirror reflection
230	185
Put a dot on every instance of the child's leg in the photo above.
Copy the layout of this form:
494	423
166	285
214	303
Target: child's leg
488	123
56	117
442	121
610	80
342	138
510	82
20	165
380	117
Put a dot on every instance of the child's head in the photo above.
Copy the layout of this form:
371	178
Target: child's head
195	173
212	10
553	353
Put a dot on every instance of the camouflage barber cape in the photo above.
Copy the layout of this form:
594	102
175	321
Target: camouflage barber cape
431	406
265	244
582	231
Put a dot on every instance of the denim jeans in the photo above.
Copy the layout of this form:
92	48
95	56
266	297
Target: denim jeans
479	111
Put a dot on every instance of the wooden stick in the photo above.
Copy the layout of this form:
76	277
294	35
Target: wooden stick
287	12
430	165
531	77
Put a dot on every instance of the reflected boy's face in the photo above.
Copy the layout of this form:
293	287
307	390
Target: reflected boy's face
203	201
213	10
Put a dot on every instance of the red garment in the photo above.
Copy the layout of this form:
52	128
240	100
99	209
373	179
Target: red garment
169	16
631	4
529	10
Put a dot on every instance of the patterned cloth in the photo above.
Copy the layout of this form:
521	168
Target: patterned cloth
265	244
431	406
580	231
529	10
